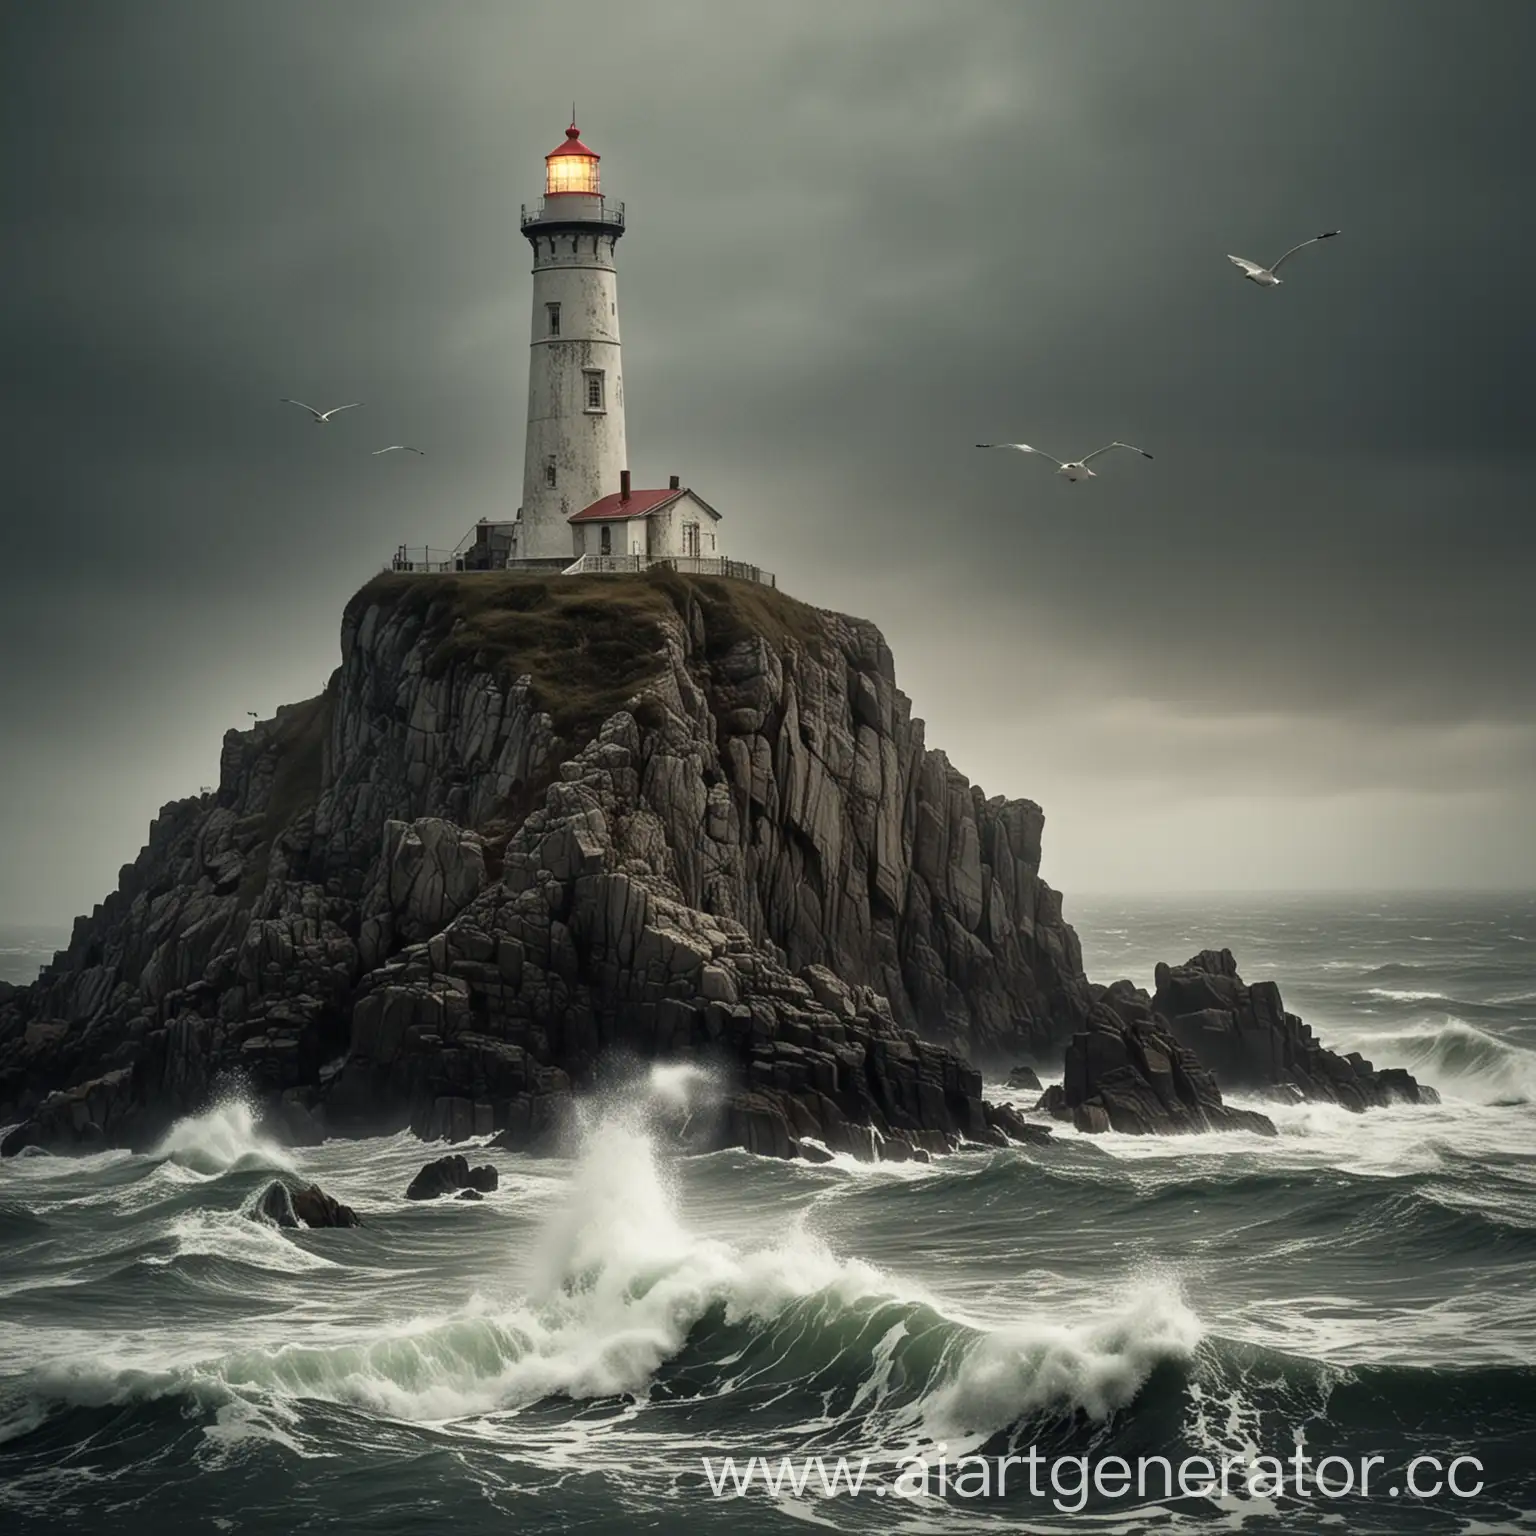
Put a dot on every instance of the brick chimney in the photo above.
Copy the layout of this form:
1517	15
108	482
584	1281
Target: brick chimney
672	484
623	485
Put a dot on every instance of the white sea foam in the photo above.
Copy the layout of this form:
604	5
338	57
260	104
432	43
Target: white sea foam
1097	1365
219	1139
1458	1058
619	1283
235	1236
680	1085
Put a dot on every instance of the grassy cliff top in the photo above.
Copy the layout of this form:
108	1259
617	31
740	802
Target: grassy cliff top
587	642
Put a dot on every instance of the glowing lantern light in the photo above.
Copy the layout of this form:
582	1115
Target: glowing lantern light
571	168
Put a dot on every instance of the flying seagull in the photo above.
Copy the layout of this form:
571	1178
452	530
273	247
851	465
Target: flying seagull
321	417
1073	469
399	448
1265	276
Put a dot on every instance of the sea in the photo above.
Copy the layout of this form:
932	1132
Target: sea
1333	1329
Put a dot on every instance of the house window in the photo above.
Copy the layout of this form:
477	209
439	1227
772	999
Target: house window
691	539
552	318
594	378
605	540
549	470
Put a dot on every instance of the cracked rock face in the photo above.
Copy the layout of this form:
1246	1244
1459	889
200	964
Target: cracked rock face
414	901
1251	1044
1160	1064
1125	1072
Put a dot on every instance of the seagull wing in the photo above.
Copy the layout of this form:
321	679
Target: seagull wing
1327	234
312	411
1023	448
333	410
1250	268
1107	446
398	448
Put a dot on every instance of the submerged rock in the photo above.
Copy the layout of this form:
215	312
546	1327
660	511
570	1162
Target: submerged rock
1014	1127
276	1206
449	1174
287	1207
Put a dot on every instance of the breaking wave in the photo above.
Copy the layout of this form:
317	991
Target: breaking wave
624	1295
221	1138
1458	1057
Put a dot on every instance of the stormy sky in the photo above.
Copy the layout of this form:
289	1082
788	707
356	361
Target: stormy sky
1295	650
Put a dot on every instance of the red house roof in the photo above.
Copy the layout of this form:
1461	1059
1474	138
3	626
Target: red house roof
615	509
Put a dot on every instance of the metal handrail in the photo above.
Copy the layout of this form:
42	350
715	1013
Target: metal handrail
688	565
611	214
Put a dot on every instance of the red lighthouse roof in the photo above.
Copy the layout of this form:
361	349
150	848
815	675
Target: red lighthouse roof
573	146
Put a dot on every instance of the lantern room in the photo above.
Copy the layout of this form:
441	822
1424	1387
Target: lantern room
571	168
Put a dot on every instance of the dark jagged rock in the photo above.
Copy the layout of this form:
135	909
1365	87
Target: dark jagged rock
1127	1073
531	822
1251	1044
1025	1078
1004	1118
315	1208
286	1207
276	1206
469	1194
450	1174
535	822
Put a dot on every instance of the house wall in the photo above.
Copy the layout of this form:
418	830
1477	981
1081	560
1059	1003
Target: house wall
666	529
588	538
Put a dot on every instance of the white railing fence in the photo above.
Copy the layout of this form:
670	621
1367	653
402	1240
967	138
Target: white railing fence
688	565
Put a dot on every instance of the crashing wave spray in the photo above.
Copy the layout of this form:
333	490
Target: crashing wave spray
224	1136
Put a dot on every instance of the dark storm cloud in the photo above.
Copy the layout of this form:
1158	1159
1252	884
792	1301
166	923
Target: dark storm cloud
863	237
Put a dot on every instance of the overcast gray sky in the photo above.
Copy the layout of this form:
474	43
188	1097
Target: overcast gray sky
1293	651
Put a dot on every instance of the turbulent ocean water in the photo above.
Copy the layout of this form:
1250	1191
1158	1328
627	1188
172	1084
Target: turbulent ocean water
567	1353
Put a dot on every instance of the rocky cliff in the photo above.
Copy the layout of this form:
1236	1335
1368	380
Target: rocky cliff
533	825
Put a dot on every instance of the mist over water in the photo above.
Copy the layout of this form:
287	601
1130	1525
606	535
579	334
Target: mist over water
561	1354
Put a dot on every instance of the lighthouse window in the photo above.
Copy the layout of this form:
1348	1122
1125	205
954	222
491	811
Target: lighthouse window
549	470
594	377
552	313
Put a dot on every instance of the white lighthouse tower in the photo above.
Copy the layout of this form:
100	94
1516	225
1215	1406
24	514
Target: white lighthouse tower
574	453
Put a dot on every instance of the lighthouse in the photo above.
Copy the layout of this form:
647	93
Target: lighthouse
581	514
574	452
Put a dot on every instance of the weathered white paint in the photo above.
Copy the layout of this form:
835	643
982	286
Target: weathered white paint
667	529
573	243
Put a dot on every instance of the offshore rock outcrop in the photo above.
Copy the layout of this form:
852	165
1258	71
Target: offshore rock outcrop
1159	1064
1126	1072
452	1175
533	825
1251	1044
309	1205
